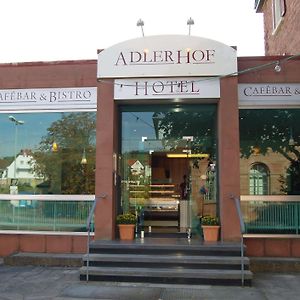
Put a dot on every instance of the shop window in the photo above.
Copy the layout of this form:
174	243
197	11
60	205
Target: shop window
272	137
28	155
259	179
279	10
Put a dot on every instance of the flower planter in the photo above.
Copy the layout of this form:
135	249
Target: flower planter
126	231
211	233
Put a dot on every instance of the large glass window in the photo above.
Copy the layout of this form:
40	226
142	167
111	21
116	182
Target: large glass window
168	162
270	138
47	153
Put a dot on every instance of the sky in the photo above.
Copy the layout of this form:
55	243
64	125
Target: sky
51	30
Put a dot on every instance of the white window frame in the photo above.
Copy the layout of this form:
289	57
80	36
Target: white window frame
278	12
259	182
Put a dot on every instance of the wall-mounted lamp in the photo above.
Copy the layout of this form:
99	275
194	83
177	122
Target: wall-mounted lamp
190	22
140	23
277	67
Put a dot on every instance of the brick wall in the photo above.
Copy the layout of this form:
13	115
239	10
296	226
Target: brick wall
286	38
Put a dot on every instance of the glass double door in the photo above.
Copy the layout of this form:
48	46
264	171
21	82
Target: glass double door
168	165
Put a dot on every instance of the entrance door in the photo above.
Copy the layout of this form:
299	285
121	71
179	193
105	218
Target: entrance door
168	165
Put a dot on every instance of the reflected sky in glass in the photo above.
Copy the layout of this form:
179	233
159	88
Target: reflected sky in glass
29	134
141	126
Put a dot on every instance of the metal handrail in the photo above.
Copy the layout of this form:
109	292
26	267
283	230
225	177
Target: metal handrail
88	226
242	229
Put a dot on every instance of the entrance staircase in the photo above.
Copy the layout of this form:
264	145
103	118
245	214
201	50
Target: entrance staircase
166	260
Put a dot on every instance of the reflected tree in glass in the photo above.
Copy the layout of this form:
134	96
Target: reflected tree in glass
273	130
198	123
73	136
174	125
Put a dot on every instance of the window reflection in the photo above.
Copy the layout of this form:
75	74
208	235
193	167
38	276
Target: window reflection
259	179
46	156
270	137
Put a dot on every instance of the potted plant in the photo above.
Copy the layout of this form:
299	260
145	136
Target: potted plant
126	223
210	226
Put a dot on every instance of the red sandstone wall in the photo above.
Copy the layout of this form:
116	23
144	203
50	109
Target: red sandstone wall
107	129
229	161
49	74
273	247
289	70
42	243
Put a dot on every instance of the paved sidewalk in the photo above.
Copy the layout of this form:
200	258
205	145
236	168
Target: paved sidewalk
45	283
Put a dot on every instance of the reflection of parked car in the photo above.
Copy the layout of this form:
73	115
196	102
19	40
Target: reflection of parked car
24	203
28	203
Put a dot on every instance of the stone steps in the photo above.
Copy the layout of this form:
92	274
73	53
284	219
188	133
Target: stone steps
172	261
166	275
166	261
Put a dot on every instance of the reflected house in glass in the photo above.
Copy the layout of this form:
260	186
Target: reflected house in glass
24	168
137	168
21	172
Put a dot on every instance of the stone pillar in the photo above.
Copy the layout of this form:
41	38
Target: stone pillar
229	158
105	148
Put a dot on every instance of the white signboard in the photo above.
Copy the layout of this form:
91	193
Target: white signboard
166	88
266	94
167	55
50	98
